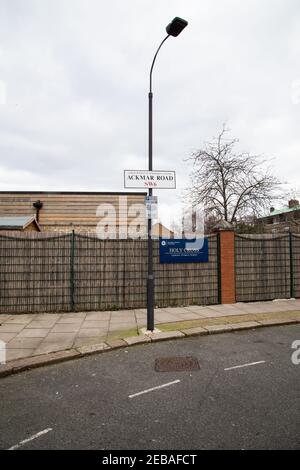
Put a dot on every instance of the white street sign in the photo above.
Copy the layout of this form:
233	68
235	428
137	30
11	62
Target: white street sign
151	207
149	179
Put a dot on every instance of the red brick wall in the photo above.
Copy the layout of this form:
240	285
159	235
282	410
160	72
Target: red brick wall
227	267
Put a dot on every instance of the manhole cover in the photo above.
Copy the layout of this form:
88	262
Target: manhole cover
173	364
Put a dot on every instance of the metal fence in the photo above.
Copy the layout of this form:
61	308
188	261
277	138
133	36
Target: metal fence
295	266
72	272
59	273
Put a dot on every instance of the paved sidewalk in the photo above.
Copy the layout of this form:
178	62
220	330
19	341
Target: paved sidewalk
30	335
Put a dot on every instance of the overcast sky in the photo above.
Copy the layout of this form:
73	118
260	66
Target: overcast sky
74	84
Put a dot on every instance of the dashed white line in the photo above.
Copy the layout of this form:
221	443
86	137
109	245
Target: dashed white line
154	388
245	365
35	436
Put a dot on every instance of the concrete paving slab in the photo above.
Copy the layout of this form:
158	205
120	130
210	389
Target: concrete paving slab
204	311
287	307
65	328
73	315
84	341
229	313
275	307
33	333
211	314
12	327
13	354
294	302
121	313
60	337
6	337
249	309
122	318
41	324
95	324
220	306
173	310
141	323
141	314
196	312
194	308
240	312
21	319
4	317
268	306
77	320
88	332
225	309
47	316
24	343
125	316
166	318
48	347
123	326
143	317
142	311
188	316
98	315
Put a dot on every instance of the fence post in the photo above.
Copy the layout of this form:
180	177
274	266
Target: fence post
219	268
226	265
291	265
72	274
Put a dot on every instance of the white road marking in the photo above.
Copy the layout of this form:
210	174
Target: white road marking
154	388
245	365
35	436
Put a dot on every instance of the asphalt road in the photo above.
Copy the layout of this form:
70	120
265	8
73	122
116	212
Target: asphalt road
86	402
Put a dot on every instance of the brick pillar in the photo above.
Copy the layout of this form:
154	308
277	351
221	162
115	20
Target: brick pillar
227	266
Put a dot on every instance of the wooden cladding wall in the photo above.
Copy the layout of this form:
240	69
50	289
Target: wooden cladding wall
48	273
263	266
66	211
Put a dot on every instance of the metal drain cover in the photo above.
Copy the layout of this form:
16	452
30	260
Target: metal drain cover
174	364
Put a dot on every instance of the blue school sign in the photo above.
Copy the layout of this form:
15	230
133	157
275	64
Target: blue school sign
179	250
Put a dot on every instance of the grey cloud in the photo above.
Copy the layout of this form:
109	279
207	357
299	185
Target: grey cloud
76	75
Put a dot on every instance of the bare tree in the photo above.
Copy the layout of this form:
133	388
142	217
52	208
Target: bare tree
231	185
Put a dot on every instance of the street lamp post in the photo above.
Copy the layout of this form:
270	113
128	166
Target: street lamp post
173	29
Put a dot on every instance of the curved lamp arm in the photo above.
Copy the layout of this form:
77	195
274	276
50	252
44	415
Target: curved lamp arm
153	62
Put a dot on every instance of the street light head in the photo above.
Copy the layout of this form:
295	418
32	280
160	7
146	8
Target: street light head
176	26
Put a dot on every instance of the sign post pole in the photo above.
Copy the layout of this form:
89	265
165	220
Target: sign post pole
150	276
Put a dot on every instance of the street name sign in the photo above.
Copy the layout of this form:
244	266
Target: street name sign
178	250
149	179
